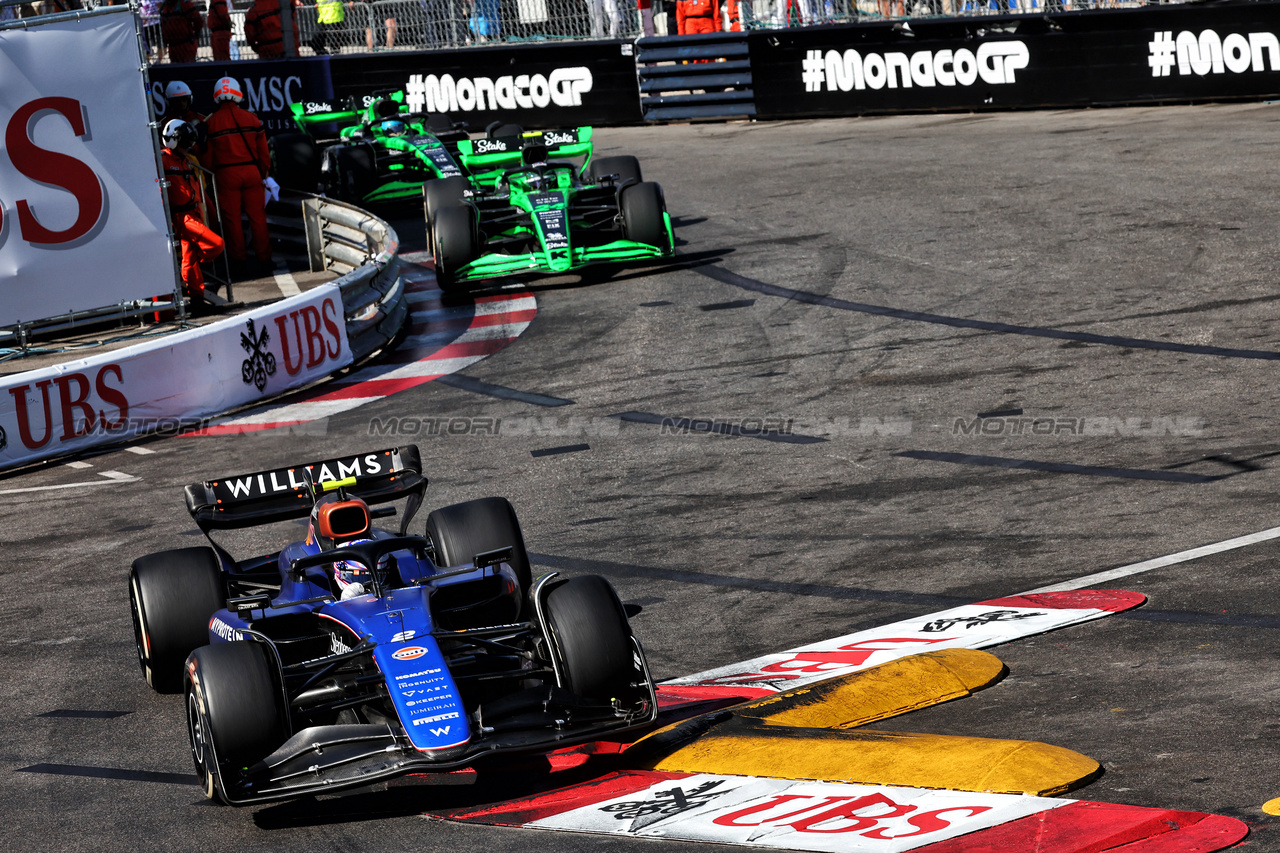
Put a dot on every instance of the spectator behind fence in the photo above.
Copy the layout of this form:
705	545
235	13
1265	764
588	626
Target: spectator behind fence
263	32
180	27
329	17
604	16
371	25
697	16
220	30
485	23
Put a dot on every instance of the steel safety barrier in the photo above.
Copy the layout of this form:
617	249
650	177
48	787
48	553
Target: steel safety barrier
362	249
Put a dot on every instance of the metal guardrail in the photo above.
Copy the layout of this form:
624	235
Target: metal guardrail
362	248
704	76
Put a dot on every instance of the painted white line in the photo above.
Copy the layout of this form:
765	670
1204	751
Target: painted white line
1161	562
78	464
116	475
68	486
141	451
285	281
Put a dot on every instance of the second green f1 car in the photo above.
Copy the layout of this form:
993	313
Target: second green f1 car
543	216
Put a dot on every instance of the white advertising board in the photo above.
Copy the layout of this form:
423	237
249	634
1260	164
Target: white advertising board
173	381
82	222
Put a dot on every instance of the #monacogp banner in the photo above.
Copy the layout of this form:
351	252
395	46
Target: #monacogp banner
82	222
172	382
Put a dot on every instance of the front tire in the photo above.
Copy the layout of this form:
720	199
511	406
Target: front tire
172	594
234	711
642	215
454	241
591	636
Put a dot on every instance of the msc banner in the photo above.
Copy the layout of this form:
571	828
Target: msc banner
537	86
172	382
270	85
82	221
1114	56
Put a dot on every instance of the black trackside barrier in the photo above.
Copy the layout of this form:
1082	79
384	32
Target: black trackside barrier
1156	54
566	84
547	85
703	76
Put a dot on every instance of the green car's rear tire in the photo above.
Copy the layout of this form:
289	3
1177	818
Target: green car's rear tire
354	173
642	214
295	161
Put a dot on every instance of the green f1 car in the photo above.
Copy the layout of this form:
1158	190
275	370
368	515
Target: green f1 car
374	150
542	216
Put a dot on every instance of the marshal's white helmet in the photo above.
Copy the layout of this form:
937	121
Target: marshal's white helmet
227	89
178	134
177	89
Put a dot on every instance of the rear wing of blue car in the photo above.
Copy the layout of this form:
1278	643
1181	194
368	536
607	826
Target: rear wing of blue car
282	494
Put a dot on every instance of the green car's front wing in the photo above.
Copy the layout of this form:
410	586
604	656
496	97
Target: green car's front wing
544	261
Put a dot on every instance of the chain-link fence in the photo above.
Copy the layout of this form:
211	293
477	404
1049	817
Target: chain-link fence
427	24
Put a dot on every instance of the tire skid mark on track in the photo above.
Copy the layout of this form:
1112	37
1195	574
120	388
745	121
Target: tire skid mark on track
731	278
442	339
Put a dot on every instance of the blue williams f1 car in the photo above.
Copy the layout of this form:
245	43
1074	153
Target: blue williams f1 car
359	654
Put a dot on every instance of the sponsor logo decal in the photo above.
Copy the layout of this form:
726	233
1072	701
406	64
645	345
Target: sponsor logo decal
290	479
563	87
979	620
1209	53
224	631
418	673
261	363
452	715
552	138
994	62
409	653
489	146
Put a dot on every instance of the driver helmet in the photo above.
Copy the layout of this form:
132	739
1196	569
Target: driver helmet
395	127
353	578
178	134
177	96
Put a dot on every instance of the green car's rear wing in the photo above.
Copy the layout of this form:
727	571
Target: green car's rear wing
246	500
486	159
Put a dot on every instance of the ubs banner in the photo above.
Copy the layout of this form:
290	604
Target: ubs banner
537	86
82	219
1129	56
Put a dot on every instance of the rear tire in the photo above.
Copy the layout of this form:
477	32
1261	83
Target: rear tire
642	214
234	712
172	594
353	172
461	531
624	166
295	161
591	636
454	239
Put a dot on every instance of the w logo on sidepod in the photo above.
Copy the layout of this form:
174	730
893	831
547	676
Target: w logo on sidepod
409	653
